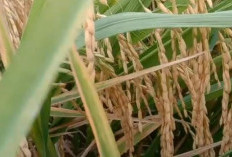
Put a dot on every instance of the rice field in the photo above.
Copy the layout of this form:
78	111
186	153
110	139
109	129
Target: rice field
114	78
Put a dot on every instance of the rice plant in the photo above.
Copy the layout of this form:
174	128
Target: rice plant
115	78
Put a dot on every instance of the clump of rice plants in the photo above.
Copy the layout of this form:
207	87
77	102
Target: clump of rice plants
115	78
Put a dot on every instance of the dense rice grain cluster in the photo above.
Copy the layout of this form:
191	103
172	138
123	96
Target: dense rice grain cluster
226	112
90	41
200	79
167	102
16	12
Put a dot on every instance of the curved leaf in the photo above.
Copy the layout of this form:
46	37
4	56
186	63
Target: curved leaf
93	107
127	22
26	82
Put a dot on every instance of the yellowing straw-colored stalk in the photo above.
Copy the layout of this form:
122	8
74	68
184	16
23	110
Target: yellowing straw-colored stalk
93	108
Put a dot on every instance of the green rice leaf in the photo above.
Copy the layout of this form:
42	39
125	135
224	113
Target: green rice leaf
52	27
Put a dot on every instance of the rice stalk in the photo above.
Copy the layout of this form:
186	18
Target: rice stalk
123	109
200	79
127	51
176	37
168	124
90	42
116	100
226	112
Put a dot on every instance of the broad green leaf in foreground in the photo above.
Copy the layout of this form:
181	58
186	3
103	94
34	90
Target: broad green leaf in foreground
26	82
127	22
93	108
